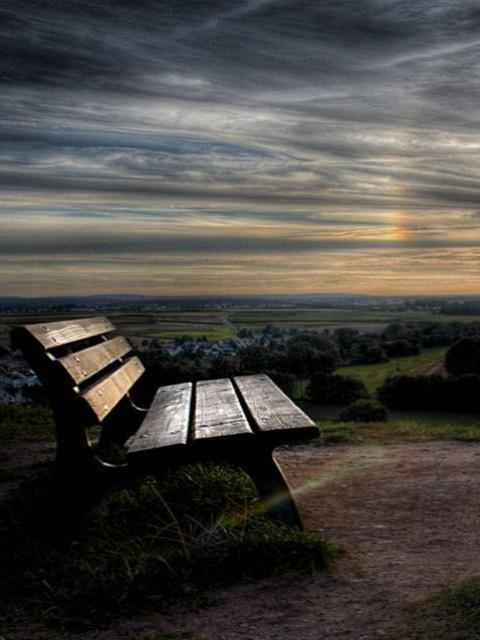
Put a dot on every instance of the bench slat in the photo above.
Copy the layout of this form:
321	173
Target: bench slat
166	423
57	334
218	411
270	408
105	394
85	363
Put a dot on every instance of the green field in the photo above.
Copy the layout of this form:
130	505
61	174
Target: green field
402	426
373	375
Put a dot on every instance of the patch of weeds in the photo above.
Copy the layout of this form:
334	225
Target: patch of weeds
141	547
454	614
19	422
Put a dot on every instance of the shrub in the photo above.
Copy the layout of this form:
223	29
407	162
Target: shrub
335	389
364	411
463	357
415	392
431	392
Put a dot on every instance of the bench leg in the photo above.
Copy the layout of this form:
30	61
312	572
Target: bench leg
272	486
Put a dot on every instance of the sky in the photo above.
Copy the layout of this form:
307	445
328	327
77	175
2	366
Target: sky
240	146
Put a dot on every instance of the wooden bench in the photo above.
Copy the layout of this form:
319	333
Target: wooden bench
91	375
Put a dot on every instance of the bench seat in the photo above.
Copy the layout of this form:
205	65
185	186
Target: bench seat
193	414
91	374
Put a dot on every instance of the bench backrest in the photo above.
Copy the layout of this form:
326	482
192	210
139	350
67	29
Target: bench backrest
85	368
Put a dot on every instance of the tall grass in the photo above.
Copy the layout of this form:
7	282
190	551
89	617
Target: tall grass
141	547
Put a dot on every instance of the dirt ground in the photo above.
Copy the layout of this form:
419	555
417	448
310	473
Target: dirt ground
407	516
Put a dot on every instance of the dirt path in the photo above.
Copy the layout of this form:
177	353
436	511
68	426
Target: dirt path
408	517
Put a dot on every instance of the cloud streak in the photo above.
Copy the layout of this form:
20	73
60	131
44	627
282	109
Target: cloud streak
238	121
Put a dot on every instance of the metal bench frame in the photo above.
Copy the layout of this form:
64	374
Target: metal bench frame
89	374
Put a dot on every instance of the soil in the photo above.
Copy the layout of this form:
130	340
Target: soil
407	517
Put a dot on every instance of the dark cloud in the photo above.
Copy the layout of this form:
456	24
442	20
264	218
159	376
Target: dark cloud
145	243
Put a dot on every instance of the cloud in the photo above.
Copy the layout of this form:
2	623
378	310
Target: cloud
329	114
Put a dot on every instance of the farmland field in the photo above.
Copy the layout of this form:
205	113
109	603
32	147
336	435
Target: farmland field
162	326
363	319
218	324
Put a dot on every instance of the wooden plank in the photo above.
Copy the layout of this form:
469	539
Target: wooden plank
57	334
166	423
218	411
83	364
270	409
107	392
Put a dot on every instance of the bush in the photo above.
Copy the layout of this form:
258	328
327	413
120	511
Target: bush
415	392
463	357
364	411
335	389
431	392
464	393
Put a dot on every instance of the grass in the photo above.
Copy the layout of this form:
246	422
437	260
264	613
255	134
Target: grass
396	431
20	423
373	375
141	547
453	614
402	426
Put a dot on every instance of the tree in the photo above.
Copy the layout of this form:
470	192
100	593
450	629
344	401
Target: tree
367	350
308	353
304	360
400	348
